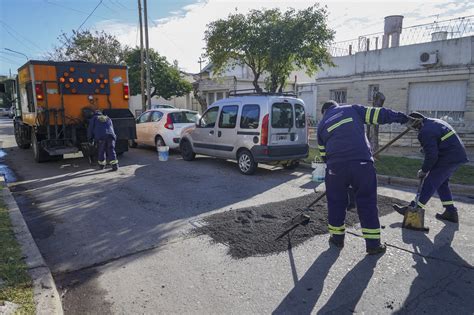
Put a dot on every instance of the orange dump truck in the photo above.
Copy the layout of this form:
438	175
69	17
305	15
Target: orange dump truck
57	99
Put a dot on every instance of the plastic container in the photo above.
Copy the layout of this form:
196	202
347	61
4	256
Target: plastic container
319	172
163	153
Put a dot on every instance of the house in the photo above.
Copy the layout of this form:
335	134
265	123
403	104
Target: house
426	72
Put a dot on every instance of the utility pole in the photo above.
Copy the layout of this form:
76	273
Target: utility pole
142	65
200	67
147	55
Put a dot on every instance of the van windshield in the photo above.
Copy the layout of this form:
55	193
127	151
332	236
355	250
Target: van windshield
282	115
183	117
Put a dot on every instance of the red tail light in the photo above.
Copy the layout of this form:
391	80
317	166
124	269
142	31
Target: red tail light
39	91
264	136
169	122
125	91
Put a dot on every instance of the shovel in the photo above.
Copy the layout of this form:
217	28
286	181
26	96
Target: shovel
414	218
303	219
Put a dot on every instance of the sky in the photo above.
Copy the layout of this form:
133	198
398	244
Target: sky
176	28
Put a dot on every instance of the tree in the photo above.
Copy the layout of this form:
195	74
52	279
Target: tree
98	47
272	42
165	79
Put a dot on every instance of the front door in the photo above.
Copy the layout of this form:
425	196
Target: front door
227	131
204	136
142	127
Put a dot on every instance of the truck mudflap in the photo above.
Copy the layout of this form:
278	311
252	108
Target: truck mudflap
124	123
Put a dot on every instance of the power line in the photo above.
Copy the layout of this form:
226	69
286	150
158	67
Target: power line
16	38
5	59
9	54
25	38
73	9
90	14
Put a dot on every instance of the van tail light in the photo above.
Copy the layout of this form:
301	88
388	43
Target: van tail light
264	137
39	91
126	94
169	123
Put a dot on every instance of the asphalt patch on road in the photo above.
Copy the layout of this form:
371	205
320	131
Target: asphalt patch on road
253	231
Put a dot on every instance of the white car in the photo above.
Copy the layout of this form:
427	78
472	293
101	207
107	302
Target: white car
4	111
160	127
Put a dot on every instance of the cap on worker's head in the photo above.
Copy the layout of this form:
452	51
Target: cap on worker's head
417	115
328	105
98	111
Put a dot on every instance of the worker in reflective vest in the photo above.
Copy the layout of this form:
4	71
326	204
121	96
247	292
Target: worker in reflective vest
344	147
444	153
102	131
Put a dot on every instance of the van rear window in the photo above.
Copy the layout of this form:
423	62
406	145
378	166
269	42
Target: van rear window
282	115
300	118
250	117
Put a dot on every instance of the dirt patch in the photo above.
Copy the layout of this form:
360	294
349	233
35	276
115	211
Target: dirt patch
252	231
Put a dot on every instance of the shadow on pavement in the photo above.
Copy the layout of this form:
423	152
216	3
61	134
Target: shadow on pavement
305	294
444	284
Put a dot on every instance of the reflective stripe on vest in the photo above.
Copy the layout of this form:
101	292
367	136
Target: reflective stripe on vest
344	121
446	136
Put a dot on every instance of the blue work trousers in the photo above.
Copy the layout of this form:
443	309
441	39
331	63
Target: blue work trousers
437	180
107	149
361	176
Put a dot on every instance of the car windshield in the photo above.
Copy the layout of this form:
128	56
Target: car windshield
183	117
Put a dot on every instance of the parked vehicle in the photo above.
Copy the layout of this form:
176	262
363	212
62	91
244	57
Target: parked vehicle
3	111
11	112
162	127
251	129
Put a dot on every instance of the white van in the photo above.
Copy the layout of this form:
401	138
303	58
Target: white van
250	129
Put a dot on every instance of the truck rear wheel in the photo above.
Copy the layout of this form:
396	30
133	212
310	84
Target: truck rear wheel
39	153
22	141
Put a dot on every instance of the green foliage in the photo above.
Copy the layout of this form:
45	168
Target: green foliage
98	47
17	286
165	79
271	41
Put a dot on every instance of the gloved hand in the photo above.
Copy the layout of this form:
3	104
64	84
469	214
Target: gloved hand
421	174
414	122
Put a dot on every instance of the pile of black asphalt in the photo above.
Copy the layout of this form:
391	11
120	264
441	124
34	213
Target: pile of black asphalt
253	231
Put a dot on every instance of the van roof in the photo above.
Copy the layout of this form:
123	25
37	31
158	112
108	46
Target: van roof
256	98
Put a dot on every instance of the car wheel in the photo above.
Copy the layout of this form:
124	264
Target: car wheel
132	144
186	151
291	165
159	142
247	164
39	154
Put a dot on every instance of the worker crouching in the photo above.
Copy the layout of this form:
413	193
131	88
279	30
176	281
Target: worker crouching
102	131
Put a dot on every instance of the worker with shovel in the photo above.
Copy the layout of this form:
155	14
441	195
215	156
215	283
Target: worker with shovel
444	153
346	150
101	129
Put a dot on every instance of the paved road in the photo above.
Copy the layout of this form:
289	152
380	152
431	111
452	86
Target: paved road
120	243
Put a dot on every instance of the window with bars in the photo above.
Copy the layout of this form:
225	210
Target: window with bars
339	95
449	116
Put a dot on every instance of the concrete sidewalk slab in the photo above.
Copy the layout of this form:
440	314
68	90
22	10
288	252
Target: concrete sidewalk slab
46	296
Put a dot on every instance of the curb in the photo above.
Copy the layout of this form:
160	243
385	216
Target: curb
46	296
458	189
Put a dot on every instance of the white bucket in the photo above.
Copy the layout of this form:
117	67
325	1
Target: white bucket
319	172
163	153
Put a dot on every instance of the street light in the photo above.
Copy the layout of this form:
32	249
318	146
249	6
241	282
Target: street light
17	52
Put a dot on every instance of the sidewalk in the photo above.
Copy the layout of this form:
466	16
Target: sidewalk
46	296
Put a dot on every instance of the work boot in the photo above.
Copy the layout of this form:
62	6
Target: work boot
451	216
381	249
400	209
114	167
101	167
339	243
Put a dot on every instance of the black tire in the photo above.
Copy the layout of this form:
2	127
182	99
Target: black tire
39	154
159	142
56	157
291	165
246	162
132	143
186	150
21	142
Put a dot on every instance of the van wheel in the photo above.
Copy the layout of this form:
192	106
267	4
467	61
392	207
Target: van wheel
39	154
186	151
291	165
247	164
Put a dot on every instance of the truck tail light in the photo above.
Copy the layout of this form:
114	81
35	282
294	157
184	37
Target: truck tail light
264	137
169	122
39	91
125	91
